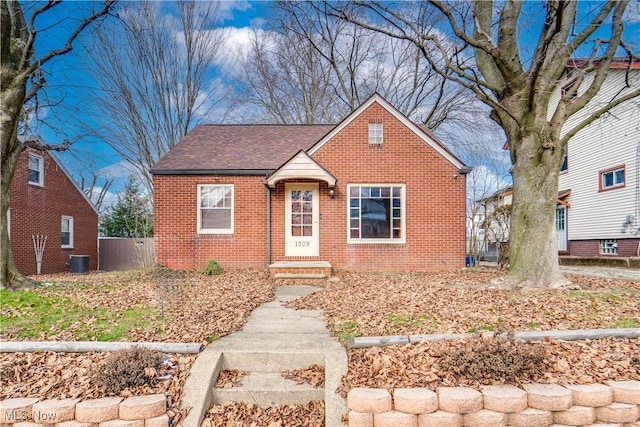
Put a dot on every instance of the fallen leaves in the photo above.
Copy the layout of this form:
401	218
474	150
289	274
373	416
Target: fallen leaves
230	378
249	415
312	375
419	365
455	302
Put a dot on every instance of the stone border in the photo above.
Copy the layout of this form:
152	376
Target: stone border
568	335
617	402
139	411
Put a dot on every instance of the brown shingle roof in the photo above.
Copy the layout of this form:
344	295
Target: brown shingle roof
249	148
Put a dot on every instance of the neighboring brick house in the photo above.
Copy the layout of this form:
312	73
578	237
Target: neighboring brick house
46	201
375	192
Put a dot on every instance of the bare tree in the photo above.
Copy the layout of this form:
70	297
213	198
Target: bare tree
23	76
478	45
316	68
155	77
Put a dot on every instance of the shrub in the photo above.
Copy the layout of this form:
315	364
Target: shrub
213	268
496	358
134	367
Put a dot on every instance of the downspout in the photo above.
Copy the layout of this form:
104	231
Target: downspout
268	227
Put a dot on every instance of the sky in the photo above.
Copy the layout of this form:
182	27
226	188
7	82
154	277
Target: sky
68	81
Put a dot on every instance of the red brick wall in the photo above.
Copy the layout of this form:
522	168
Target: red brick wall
178	245
39	210
435	208
591	248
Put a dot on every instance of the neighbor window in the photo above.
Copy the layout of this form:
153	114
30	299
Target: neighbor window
612	178
608	247
66	232
215	209
565	159
375	133
568	88
376	213
36	169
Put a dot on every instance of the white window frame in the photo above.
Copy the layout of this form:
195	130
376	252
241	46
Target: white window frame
376	133
40	160
199	209
615	184
609	247
71	229
403	215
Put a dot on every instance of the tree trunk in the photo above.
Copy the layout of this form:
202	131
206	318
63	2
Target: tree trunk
533	247
11	105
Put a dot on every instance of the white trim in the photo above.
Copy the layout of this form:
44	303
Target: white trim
303	246
40	182
403	218
201	230
71	231
301	166
398	115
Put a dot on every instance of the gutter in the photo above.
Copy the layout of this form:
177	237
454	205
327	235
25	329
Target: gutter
211	171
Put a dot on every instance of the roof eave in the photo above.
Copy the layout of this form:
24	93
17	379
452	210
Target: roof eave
249	172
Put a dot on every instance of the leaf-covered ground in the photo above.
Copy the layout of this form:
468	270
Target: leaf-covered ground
190	307
365	304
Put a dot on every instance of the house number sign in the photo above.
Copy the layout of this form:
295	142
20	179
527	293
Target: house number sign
300	244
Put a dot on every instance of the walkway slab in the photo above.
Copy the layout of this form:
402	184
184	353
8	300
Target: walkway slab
275	338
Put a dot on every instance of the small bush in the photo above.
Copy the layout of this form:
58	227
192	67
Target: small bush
490	359
213	268
127	368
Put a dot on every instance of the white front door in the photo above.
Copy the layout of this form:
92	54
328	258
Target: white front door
301	220
561	226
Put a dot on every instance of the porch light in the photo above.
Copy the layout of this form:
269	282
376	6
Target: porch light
332	192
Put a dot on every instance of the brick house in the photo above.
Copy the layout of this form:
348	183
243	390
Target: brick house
46	201
375	192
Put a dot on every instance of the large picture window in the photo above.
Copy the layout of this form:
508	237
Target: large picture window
215	209
376	213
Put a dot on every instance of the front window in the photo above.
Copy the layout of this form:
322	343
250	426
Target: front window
215	209
66	232
376	213
608	247
612	178
36	169
375	133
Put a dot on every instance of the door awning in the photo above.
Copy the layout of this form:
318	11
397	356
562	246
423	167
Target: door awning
301	166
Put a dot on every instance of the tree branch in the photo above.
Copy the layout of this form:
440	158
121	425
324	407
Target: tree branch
596	115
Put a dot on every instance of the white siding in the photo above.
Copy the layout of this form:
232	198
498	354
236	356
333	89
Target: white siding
610	141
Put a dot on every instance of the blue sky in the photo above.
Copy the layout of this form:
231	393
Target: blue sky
68	80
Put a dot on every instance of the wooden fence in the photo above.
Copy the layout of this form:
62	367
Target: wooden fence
126	253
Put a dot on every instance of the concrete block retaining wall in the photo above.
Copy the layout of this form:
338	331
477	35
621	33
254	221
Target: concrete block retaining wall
140	411
615	404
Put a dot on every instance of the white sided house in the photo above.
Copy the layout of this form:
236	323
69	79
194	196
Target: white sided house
598	211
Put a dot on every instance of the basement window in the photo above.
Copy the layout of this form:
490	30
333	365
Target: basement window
609	247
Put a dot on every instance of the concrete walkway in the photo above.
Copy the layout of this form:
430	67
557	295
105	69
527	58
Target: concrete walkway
275	338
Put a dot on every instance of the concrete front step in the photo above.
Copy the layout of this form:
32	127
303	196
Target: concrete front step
270	361
267	389
300	270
